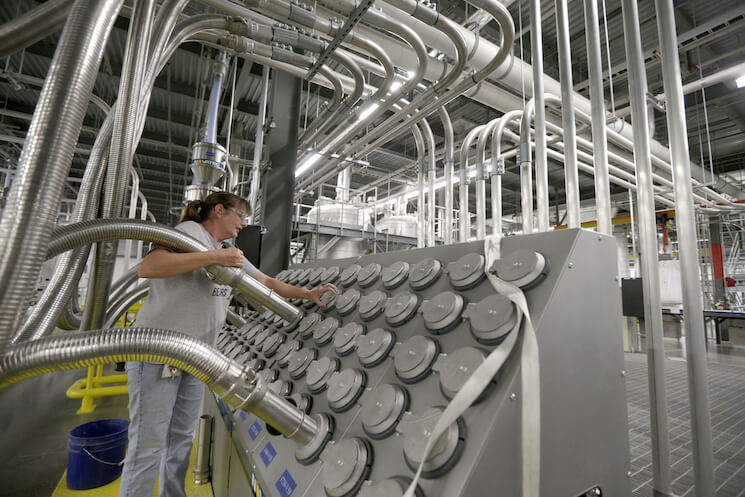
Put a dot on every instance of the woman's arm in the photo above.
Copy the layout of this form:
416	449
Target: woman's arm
294	292
161	263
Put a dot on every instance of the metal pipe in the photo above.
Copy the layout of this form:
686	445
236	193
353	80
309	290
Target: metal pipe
648	244
431	177
204	442
31	209
419	139
119	307
97	230
34	25
539	118
259	142
497	169
235	319
447	127
219	68
464	224
698	390
237	385
133	197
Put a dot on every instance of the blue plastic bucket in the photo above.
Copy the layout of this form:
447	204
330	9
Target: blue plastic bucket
96	453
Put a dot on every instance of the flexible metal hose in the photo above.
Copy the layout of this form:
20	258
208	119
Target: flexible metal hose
34	25
116	309
96	230
31	209
238	386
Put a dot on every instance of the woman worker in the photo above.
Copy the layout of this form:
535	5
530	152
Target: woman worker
164	403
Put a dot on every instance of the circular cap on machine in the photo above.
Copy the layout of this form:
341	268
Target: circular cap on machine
266	316
307	303
374	347
314	277
382	409
414	358
395	274
349	275
255	364
299	362
368	275
268	375
467	272
392	487
346	301
372	304
344	388
303	276
307	323
492	318
328	298
292	275
347	465
282	275
259	342
284	351
442	313
401	308
288	327
456	367
324	331
424	273
302	401
417	429
280	387
271	344
318	373
523	268
330	274
345	339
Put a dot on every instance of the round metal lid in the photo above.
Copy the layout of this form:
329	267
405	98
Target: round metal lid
372	304
374	347
395	274
266	316
256	364
347	465
401	308
346	301
299	362
277	320
417	429
271	344
324	331
467	272
282	275
289	327
368	275
424	273
307	323
292	275
521	267
319	372
308	304
382	408
302	401
314	277
392	487
303	276
328	298
349	275
344	388
456	367
284	351
345	339
259	342
268	375
492	318
330	274
443	312
414	358
280	387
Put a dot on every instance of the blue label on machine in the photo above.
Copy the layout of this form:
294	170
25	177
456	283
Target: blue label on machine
286	485
254	430
243	415
267	455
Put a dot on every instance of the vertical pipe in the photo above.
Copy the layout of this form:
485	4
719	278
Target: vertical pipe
648	244
567	114
132	211
259	145
447	126
698	390
431	177
541	162
202	467
220	68
633	234
597	106
419	139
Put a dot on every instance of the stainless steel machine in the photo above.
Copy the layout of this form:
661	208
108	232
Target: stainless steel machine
389	352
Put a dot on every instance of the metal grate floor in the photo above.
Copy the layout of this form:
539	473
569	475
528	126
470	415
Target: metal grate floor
727	399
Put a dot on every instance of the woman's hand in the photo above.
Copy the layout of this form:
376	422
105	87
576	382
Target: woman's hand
315	294
228	257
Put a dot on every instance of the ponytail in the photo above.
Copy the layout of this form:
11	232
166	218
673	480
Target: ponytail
192	212
200	210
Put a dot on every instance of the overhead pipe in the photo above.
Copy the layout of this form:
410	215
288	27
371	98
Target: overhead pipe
497	168
133	198
98	230
34	25
31	209
253	198
464	224
116	309
597	108
698	389
220	69
237	385
648	244
431	170
420	166
539	119
481	141
447	164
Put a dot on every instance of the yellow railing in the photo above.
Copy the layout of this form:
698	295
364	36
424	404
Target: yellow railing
95	384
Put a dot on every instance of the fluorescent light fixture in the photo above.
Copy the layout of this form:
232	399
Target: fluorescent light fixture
395	86
438	185
307	163
740	82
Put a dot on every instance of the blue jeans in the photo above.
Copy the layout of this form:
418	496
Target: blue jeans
163	414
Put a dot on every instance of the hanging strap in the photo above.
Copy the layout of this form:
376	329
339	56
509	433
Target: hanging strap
85	449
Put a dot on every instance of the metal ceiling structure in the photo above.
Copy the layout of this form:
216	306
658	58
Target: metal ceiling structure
711	39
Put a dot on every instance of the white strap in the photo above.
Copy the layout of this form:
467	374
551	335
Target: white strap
484	374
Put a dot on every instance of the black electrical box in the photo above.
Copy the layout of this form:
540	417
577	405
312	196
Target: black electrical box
249	241
632	295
